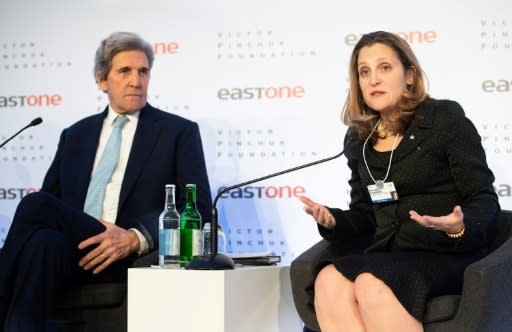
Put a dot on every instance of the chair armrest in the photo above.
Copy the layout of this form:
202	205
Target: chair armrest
486	293
304	269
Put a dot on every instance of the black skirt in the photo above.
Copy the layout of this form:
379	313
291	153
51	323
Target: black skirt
413	276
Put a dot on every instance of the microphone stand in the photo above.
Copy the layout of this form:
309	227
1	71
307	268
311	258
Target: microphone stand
216	261
34	122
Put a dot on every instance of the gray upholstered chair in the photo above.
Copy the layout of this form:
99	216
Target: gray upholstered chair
485	304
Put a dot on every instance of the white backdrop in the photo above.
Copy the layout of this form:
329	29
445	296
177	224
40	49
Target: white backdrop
265	80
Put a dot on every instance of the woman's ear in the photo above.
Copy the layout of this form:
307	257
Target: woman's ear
410	75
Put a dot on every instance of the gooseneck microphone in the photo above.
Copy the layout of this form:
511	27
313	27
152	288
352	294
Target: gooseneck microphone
216	261
34	122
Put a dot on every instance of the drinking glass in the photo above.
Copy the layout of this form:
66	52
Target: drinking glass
206	242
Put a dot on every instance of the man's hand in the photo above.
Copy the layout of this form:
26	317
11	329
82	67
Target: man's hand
113	244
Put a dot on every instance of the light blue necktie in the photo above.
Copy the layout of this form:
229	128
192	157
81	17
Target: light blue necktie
101	176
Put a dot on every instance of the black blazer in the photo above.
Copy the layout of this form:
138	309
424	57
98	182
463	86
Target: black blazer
439	163
166	149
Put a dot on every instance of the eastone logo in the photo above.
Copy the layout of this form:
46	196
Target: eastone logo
263	192
496	86
263	93
413	37
31	101
503	190
15	193
165	48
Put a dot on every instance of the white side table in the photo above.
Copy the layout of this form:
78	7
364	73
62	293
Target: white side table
246	299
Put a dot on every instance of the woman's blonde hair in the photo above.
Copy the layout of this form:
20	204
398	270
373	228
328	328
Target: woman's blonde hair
355	111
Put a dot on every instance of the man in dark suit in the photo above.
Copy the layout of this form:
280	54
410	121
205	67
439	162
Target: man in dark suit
78	230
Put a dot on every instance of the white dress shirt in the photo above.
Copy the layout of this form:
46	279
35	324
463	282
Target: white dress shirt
113	189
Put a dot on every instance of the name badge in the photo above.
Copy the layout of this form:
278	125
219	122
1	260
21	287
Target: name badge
382	192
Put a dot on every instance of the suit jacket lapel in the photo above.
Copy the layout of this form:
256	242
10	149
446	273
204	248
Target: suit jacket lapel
88	149
413	137
144	141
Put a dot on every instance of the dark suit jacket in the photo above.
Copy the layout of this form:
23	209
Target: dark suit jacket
166	149
440	163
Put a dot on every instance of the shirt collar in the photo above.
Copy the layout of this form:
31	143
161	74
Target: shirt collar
111	115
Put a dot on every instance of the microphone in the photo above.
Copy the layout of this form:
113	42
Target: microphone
216	261
32	123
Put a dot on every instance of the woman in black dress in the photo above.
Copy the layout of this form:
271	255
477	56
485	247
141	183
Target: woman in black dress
419	182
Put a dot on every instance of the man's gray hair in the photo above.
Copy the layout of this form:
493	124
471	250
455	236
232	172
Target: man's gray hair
115	43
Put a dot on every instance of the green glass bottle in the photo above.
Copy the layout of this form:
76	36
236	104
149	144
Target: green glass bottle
190	227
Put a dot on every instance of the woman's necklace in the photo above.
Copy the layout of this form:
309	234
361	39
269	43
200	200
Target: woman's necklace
379	183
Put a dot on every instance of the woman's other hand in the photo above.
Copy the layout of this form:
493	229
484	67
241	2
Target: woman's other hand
452	223
320	213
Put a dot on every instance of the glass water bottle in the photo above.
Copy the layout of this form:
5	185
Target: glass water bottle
190	226
169	230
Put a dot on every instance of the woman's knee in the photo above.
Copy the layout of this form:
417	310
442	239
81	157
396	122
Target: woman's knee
325	278
330	284
370	289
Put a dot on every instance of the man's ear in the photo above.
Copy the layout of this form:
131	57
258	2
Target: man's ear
101	82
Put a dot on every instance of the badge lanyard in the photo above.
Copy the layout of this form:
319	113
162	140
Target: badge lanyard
381	191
